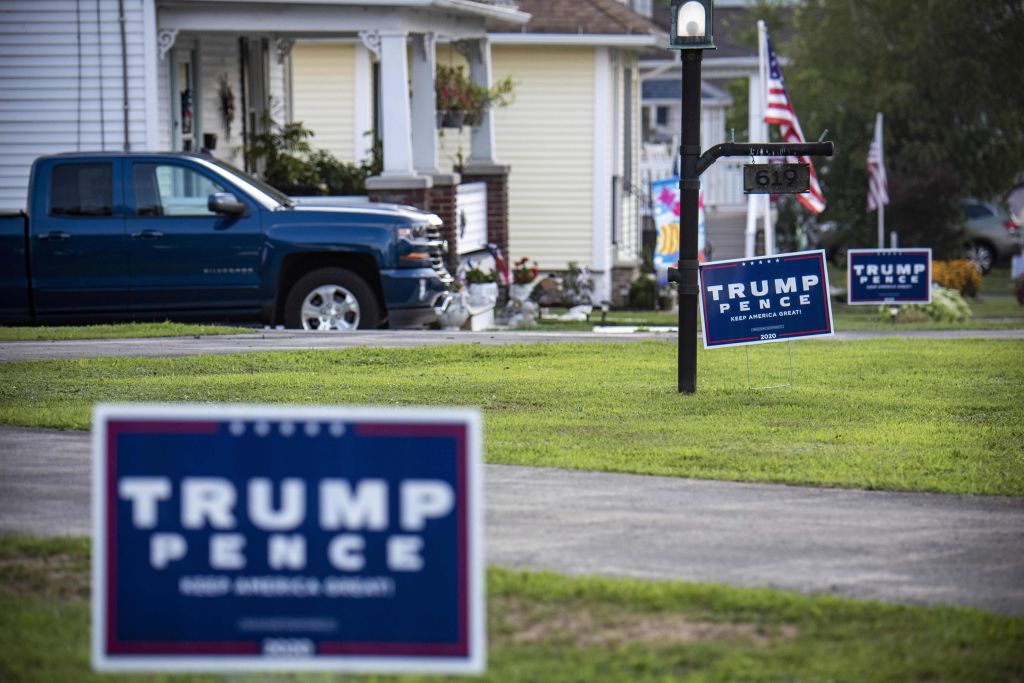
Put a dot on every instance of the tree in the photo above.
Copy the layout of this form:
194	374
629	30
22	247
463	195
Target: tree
946	74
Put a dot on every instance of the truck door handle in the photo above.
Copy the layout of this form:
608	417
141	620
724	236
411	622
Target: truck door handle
147	235
54	236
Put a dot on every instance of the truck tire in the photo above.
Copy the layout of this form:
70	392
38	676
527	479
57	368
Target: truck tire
331	299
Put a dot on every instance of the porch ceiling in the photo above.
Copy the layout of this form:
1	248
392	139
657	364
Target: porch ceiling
453	18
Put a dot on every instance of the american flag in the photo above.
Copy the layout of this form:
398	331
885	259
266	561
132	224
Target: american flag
780	112
878	184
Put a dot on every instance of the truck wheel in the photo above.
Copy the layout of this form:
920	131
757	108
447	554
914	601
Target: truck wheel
331	299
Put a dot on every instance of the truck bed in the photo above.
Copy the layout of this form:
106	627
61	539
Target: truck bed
15	302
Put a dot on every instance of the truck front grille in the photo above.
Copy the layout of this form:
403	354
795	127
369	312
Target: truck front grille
437	256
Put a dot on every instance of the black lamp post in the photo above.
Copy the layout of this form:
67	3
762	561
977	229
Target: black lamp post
692	34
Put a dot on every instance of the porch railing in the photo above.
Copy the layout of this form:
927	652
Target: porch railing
722	183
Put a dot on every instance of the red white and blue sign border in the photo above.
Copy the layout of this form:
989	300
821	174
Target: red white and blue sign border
471	528
827	331
850	257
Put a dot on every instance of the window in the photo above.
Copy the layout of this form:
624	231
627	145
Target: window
168	190
82	190
977	210
661	116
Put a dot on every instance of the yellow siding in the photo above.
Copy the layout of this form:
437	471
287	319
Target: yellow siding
324	96
547	137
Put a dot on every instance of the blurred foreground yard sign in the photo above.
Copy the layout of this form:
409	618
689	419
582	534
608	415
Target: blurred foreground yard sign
765	299
287	539
889	276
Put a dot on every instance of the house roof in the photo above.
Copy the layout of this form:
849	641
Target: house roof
600	17
671	89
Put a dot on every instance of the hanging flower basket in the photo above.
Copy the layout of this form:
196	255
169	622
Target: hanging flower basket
462	102
453	118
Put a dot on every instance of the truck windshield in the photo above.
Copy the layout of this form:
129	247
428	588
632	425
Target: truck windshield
271	196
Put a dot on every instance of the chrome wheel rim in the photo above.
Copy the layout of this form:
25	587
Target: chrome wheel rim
982	257
330	307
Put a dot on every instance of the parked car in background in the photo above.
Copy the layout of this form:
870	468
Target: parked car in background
992	232
137	236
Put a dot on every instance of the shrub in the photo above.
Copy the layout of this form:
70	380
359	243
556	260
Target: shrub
947	306
1018	289
289	163
479	276
643	293
340	177
960	274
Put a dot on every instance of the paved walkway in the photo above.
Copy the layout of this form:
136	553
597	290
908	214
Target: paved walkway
914	548
289	340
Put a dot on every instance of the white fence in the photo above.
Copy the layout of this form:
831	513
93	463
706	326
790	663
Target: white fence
722	183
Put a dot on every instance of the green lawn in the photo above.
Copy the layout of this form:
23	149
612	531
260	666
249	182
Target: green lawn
997	312
116	331
898	414
997	281
990	313
545	627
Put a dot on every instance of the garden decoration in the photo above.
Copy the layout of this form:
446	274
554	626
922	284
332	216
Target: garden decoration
524	279
521	311
457	313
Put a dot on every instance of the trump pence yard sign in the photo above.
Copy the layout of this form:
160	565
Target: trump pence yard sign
889	276
271	538
765	299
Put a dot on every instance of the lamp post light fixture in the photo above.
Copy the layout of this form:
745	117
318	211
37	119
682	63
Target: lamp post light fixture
692	25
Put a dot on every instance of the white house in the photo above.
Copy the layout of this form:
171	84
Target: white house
83	75
570	141
560	166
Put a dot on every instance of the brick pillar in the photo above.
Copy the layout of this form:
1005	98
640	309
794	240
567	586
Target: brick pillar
496	178
411	190
442	202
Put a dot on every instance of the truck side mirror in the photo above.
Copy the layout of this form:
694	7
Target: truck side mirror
227	203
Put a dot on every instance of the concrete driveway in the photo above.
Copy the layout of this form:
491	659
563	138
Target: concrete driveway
913	548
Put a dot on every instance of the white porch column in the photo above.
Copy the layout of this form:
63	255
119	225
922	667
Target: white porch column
424	104
363	96
396	124
481	143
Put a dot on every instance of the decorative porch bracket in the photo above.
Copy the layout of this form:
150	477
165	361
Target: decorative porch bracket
371	39
762	149
283	48
165	38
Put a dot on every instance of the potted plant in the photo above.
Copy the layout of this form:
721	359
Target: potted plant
452	92
523	276
483	288
501	94
460	101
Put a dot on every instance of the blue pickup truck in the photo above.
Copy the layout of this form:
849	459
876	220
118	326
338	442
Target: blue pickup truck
126	236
